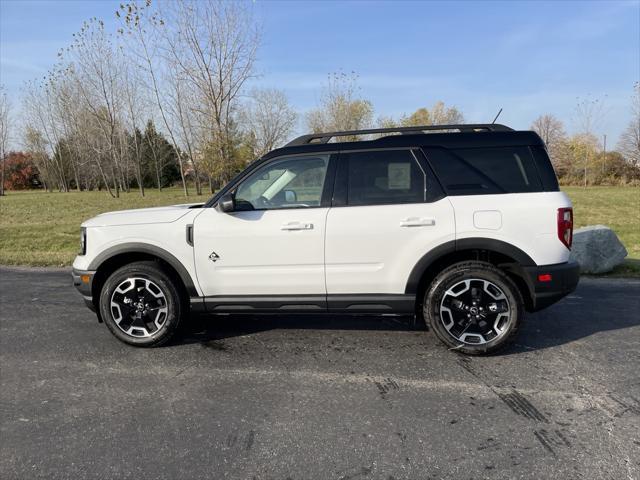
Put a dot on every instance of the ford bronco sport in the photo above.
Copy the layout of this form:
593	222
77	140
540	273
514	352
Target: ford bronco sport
461	225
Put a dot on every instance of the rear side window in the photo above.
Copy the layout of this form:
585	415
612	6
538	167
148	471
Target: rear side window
384	177
482	171
545	169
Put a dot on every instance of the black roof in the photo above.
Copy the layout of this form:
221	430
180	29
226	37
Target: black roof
448	136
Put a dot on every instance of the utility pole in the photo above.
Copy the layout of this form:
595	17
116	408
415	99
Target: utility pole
586	162
604	157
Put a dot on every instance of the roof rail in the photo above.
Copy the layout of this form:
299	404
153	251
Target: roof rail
327	136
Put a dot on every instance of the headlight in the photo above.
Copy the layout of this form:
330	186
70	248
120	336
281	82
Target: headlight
83	241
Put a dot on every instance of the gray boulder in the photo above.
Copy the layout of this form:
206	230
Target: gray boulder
597	249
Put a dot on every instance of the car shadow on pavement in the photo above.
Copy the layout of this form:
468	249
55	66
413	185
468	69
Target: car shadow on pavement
203	329
597	308
540	331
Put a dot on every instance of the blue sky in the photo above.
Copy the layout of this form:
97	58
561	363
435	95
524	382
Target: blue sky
526	57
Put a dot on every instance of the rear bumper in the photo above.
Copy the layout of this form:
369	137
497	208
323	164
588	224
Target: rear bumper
83	281
561	279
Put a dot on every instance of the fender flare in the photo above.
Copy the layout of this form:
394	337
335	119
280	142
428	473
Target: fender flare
134	247
446	248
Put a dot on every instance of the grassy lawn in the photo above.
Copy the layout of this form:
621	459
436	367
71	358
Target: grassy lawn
617	208
38	228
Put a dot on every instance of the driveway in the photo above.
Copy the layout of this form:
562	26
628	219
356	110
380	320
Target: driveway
271	397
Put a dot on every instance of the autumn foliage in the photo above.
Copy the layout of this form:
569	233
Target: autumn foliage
20	173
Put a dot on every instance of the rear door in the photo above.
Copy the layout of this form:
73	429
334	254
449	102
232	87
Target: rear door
388	211
503	193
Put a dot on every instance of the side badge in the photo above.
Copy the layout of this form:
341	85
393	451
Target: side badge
213	257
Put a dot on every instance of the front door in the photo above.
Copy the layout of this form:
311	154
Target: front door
273	243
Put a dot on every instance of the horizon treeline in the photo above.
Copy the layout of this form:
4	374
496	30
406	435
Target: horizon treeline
165	99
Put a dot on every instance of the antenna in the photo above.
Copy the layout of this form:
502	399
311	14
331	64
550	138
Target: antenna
499	112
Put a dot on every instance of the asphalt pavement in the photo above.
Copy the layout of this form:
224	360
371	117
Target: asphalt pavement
272	397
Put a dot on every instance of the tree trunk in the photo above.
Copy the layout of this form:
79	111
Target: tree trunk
75	175
158	176
184	182
114	179
140	186
196	174
2	176
156	162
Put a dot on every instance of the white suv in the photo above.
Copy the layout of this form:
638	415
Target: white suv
463	225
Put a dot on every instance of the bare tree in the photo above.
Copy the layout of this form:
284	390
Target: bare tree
38	110
143	24
184	62
98	69
269	119
65	107
181	104
629	143
5	118
134	111
550	129
552	132
90	143
214	44
589	114
340	106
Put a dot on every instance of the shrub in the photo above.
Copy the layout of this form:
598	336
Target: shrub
20	173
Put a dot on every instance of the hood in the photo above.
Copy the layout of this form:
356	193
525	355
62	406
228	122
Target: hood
141	216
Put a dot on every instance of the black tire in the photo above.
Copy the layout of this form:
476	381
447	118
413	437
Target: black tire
169	302
437	316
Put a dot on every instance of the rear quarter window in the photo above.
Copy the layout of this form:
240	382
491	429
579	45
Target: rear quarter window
483	171
545	169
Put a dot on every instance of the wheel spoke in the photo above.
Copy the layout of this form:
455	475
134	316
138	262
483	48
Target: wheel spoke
127	321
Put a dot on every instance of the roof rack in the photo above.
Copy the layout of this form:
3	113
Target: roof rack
327	136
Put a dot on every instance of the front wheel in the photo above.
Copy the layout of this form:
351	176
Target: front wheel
141	305
473	307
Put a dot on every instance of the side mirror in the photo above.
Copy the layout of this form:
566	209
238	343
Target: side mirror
290	196
227	203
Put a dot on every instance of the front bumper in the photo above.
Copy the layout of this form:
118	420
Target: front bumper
83	281
550	283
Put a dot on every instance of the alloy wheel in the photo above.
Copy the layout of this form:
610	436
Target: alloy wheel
139	307
475	311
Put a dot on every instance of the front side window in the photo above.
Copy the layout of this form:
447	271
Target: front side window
384	177
294	182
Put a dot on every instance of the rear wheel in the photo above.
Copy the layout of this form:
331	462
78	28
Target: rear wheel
474	308
141	305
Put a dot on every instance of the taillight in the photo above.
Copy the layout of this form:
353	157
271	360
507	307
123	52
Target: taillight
565	226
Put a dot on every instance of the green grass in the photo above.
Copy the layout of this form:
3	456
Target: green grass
42	229
617	208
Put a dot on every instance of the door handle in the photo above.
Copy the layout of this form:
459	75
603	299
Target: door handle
297	226
417	222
